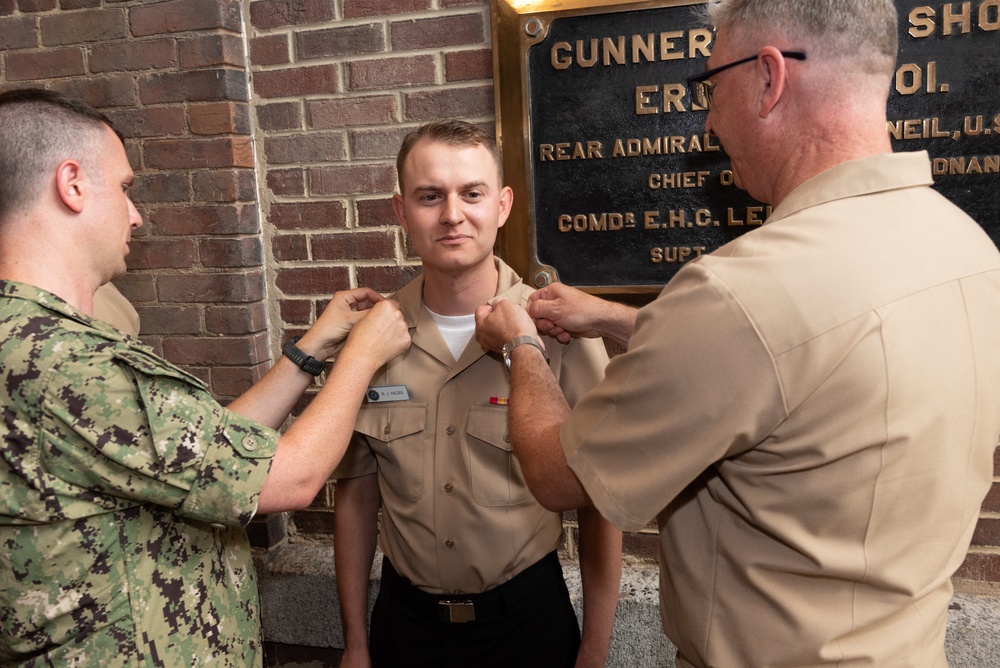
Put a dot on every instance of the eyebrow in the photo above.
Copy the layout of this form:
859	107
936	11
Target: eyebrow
464	186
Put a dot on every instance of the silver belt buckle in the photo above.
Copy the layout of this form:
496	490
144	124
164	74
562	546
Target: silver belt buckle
459	612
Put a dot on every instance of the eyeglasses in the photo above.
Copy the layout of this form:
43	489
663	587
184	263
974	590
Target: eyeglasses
701	88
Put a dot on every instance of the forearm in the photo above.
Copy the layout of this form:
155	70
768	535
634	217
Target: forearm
273	397
600	573
536	413
313	445
354	536
616	322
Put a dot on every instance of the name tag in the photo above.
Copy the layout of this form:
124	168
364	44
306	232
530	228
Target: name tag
387	393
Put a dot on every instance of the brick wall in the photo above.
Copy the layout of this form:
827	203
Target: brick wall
264	134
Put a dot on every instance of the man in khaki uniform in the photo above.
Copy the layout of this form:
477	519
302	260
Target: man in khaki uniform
811	411
111	306
470	575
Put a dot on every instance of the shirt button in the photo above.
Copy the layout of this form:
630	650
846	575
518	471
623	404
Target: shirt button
250	443
448	487
449	431
506	438
449	543
385	430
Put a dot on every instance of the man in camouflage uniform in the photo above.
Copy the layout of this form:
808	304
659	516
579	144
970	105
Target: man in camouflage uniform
124	487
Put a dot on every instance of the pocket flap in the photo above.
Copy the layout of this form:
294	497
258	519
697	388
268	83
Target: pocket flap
490	425
386	422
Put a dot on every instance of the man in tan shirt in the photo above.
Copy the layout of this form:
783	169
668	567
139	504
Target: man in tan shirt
810	412
470	575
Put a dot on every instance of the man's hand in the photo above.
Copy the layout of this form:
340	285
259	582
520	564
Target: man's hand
500	322
563	312
380	333
342	313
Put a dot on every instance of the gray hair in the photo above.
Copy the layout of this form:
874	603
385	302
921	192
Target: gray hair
38	130
860	29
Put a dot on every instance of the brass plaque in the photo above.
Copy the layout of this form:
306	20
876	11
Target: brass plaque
616	183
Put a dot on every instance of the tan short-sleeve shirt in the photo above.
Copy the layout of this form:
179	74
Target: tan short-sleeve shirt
457	515
810	413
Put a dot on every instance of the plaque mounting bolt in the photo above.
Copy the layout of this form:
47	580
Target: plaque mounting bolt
543	278
533	27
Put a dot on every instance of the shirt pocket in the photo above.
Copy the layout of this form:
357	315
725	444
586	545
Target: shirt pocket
496	477
396	435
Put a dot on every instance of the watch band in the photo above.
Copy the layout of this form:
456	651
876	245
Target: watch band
307	363
508	348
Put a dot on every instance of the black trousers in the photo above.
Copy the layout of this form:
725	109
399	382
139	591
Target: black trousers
526	622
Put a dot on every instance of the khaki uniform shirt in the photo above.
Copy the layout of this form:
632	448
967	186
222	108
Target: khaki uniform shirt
457	516
124	488
810	413
112	307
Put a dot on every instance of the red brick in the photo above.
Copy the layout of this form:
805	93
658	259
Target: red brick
46	64
267	531
243	319
303	148
232	350
386	279
224	185
296	81
129	56
193	86
219	118
370	110
185	15
149	121
98	25
161	187
18	32
996	462
157	319
352	179
78	4
290	248
137	288
278	13
354	246
245	252
269	50
987	532
296	311
208	50
347	41
159	253
437	32
992	501
314	522
468	65
280	116
377	144
449	103
36	5
187	220
230	381
287	182
980	566
390	72
7	7
308	216
197	153
198	288
313	280
357	8
465	3
375	213
101	92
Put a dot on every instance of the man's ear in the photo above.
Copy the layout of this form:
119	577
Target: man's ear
400	211
506	202
774	79
70	184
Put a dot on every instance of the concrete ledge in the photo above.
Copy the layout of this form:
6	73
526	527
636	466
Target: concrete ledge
299	600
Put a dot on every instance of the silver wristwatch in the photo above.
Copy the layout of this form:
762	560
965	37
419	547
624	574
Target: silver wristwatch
518	341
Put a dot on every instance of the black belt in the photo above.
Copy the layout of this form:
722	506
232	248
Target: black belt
471	607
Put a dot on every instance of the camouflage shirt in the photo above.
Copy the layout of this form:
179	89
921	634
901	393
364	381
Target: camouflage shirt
124	489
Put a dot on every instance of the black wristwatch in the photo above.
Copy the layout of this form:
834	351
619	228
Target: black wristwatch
307	363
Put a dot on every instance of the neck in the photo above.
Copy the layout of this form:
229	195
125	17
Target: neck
460	293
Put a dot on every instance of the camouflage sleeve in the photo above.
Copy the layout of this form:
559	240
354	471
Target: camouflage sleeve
127	424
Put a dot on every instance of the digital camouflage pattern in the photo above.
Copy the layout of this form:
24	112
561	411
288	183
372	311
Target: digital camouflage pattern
124	489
